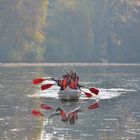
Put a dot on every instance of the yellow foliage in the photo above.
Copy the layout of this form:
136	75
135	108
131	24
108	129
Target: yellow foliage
40	22
39	37
35	20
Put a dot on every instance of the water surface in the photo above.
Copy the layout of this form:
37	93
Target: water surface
116	118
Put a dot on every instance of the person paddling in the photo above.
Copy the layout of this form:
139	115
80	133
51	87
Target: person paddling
69	80
65	82
73	80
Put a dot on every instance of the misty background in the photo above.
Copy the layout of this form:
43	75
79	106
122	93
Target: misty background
70	31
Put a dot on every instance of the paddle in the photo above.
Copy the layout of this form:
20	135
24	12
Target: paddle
46	107
94	106
46	86
40	80
89	95
94	90
36	113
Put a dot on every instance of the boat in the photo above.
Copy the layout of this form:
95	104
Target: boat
69	94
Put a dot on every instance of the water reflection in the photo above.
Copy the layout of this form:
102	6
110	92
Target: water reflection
67	111
64	114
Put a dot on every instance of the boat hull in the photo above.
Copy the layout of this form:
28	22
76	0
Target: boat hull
69	94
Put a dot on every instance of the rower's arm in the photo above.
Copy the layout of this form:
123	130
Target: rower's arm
80	86
57	81
54	80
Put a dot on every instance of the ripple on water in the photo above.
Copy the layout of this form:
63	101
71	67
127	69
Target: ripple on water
133	131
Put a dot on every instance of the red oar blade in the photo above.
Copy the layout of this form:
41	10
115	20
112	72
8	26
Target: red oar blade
36	113
94	90
88	94
46	86
93	106
46	107
37	81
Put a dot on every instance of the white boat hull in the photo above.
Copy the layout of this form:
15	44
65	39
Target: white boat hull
69	94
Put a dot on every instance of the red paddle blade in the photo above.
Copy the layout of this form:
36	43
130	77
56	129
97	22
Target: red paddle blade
88	94
46	86
36	113
93	106
94	90
62	113
43	106
37	81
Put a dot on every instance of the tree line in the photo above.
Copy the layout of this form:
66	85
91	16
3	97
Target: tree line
69	31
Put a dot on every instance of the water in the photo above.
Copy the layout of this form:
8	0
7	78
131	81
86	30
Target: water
117	116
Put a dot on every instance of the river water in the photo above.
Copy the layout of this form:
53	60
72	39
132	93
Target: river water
116	116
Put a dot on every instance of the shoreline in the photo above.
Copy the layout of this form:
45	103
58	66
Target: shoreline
65	64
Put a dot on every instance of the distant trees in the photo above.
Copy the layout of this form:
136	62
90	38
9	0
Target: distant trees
93	31
69	31
22	30
125	24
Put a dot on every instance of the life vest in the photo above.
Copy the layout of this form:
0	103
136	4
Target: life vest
63	84
73	84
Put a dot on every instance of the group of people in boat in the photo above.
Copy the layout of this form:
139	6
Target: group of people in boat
70	79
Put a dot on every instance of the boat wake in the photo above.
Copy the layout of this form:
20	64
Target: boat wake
103	94
113	92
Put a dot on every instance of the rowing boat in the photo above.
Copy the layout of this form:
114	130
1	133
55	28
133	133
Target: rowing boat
69	94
